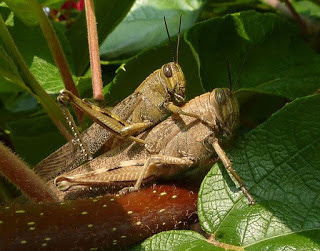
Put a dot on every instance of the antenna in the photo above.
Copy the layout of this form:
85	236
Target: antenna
229	75
240	71
178	42
165	23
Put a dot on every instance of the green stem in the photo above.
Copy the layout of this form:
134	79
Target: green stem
57	52
32	84
15	170
94	50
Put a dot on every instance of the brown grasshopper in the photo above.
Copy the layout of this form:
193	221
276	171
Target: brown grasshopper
177	144
161	93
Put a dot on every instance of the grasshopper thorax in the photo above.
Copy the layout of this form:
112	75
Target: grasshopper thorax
175	82
226	109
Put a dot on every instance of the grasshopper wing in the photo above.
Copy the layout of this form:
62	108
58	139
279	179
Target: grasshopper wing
70	156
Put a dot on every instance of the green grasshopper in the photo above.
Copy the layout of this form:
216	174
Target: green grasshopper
176	145
160	94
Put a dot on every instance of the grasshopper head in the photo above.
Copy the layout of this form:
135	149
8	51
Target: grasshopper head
227	110
175	82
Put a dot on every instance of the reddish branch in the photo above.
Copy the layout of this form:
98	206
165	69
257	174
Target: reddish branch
94	50
290	11
15	170
103	222
57	53
297	17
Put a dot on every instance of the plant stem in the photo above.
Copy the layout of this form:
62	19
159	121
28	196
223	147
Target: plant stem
289	11
57	53
94	50
32	85
297	17
279	6
108	222
225	246
15	170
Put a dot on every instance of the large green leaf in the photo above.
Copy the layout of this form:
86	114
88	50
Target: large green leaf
279	62
143	26
215	8
178	241
108	15
22	9
279	162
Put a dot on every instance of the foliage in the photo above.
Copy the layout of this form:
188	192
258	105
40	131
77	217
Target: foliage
276	151
142	28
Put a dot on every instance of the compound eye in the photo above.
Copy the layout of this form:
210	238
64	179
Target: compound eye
220	96
167	71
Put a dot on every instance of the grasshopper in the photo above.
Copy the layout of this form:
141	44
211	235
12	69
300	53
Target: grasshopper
160	94
177	144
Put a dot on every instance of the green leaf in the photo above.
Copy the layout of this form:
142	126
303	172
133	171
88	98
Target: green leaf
296	241
35	88
56	4
279	162
34	49
22	9
221	7
34	138
9	74
5	13
176	240
287	68
21	102
307	8
143	26
84	85
108	15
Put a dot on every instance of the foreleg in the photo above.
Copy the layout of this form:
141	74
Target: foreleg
227	164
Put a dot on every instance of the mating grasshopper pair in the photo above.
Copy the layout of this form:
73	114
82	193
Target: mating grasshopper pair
160	93
175	145
189	138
